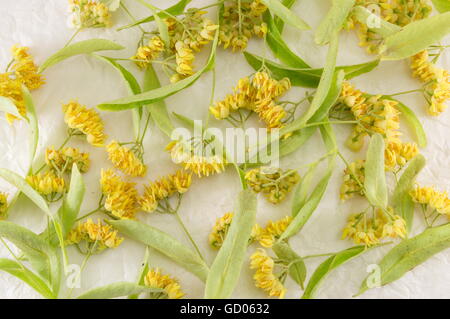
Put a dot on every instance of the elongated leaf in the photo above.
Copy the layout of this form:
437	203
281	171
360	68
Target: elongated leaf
116	290
160	93
302	190
33	123
158	110
410	253
278	9
325	268
375	176
297	267
333	21
309	78
279	22
416	37
441	5
226	268
401	200
15	269
279	48
382	27
163	243
174	10
41	256
8	106
413	122
82	47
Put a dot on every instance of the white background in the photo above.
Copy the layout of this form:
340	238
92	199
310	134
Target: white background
42	25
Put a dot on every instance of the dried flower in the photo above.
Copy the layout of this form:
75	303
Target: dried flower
125	160
88	14
171	287
146	54
47	184
62	160
428	196
353	182
273	230
3	205
86	121
264	276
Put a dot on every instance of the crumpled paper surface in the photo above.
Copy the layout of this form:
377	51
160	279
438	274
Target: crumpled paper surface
42	25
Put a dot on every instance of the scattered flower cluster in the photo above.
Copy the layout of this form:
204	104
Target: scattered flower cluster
353	181
21	71
88	14
398	12
264	277
428	196
171	287
275	184
125	160
436	82
273	230
48	184
3	205
370	231
241	21
164	188
258	95
95	235
63	159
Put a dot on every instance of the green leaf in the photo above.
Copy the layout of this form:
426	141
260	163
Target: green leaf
8	106
302	190
324	269
309	78
162	26
174	10
38	252
333	21
375	178
132	86
413	122
279	10
297	267
401	200
441	5
82	47
279	22
116	290
416	37
144	270
165	244
160	93
158	110
71	205
226	268
279	48
384	28
33	122
21	272
410	253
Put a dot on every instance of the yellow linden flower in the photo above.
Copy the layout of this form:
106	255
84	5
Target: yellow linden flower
47	184
275	184
89	14
62	160
171	287
185	59
398	154
86	121
3	205
125	160
25	70
146	54
164	188
121	196
437	200
353	180
102	236
264	276
273	231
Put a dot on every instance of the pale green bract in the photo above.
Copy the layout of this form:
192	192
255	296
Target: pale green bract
333	21
383	28
116	290
441	5
279	10
375	178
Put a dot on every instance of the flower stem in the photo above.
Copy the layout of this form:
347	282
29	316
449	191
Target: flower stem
188	235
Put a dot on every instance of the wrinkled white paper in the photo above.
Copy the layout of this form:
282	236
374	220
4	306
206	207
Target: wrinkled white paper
42	25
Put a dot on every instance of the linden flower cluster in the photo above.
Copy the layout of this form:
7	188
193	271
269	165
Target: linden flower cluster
198	163
258	95
125	160
273	230
370	231
88	14
96	236
171	287
164	188
48	184
22	71
121	197
264	277
438	201
399	12
275	184
437	82
353	180
187	35
85	121
241	23
63	159
3	205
